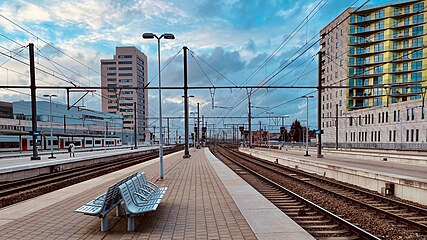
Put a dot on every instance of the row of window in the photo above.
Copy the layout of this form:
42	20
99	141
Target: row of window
412	135
120	74
416	8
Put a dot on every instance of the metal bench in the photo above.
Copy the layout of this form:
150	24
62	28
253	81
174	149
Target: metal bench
138	201
103	204
142	179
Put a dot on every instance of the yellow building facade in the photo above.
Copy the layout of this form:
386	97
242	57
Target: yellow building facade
387	54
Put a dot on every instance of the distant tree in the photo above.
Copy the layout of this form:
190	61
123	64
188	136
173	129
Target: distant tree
296	132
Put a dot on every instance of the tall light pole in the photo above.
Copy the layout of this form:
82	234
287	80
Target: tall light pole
166	36
268	128
50	96
306	128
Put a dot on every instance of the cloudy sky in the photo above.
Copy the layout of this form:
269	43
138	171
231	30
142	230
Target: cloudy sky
229	39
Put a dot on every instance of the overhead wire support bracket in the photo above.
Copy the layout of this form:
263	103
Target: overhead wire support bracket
74	104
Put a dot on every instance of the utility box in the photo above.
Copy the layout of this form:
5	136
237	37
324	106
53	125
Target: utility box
389	189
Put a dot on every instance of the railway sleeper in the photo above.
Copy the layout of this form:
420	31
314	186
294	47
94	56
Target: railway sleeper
339	238
296	213
417	218
323	226
327	232
301	222
289	202
303	218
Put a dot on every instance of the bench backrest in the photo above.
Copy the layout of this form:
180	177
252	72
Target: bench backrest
126	195
142	178
113	197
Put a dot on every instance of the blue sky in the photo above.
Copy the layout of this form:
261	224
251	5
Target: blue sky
233	36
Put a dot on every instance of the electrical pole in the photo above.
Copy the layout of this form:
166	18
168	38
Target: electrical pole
336	127
319	107
198	125
33	102
168	131
135	127
186	152
249	117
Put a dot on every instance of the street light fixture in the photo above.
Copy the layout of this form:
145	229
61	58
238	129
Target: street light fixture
50	96
306	136
166	36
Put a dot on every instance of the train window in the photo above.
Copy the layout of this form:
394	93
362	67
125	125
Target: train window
55	142
88	141
31	143
97	141
9	144
77	143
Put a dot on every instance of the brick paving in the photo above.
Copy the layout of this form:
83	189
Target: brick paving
196	206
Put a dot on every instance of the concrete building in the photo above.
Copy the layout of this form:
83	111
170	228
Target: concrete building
74	120
386	74
128	68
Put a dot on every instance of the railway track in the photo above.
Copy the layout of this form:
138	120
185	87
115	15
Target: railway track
404	219
16	191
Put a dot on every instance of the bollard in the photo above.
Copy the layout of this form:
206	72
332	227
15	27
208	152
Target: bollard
277	161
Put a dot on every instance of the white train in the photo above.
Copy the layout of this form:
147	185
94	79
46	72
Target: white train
25	142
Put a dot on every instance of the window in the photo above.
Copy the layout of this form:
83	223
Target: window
125	80
379	25
418	7
108	63
407	135
416	65
417	42
111	68
111	79
418	19
111	85
125	56
125	68
416	31
417	54
336	45
417	133
112	107
125	62
407	114
381	14
111	74
125	74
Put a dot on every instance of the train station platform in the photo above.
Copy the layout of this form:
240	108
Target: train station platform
24	162
410	180
205	200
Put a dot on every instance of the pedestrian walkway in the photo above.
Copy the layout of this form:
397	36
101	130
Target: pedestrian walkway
199	204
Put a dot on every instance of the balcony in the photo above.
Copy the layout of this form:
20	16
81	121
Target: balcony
402	14
366	53
366	42
406	36
400	26
367	21
369	75
402	71
367	64
405	48
369	32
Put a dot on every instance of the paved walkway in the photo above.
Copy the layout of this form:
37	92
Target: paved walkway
197	206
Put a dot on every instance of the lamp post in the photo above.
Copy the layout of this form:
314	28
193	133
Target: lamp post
50	96
306	136
166	36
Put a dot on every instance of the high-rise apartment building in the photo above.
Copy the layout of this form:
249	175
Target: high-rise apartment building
127	69
386	73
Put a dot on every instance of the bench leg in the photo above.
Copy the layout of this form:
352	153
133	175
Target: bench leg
104	224
131	224
119	210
